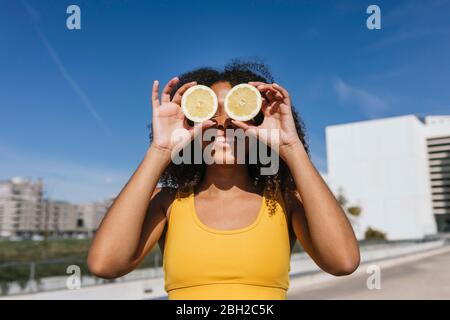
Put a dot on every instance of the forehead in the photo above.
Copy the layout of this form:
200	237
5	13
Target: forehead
221	89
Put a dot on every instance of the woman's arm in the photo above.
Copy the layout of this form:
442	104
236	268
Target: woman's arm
134	223
317	218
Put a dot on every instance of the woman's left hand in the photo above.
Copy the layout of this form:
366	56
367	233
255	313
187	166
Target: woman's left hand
278	127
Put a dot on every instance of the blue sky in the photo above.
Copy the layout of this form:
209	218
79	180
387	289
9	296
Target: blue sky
74	104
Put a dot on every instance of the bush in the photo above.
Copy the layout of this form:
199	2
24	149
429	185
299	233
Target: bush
354	211
373	234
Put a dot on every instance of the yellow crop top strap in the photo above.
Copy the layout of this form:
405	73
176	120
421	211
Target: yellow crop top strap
201	262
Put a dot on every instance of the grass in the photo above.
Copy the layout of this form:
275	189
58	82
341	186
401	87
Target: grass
28	250
49	259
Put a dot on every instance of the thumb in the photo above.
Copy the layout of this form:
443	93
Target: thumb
248	129
241	124
199	127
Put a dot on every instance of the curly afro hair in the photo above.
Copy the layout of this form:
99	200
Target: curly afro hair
182	177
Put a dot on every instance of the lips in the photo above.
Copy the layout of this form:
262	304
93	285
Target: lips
223	141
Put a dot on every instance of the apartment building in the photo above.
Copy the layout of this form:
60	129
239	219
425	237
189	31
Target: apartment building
90	215
21	213
26	214
60	219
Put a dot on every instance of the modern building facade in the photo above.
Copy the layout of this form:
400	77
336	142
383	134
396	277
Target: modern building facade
21	213
91	214
437	132
26	214
397	170
60	219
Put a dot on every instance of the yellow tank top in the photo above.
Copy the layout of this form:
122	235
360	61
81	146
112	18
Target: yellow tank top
201	262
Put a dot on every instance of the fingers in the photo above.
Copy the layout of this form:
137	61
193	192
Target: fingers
177	97
155	98
270	91
207	124
282	90
256	83
270	109
270	95
248	129
266	97
168	89
261	86
200	127
241	124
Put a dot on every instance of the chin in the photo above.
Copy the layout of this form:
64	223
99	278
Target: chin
224	158
220	154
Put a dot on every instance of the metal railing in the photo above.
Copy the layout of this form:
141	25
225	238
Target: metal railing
53	274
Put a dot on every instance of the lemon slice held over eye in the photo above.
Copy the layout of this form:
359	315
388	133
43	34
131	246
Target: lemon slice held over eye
199	103
243	102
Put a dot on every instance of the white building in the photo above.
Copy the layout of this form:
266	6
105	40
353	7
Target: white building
91	214
20	207
397	170
26	214
60	218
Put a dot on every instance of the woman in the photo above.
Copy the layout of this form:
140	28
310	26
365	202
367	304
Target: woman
226	230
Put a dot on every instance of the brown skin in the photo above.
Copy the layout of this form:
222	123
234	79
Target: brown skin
136	220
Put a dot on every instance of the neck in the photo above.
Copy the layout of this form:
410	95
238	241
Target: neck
220	178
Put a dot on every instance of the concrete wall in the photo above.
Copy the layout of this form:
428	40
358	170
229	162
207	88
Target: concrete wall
382	166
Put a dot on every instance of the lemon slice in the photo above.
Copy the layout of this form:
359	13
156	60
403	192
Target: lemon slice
199	103
243	102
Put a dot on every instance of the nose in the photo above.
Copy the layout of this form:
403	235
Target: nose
223	122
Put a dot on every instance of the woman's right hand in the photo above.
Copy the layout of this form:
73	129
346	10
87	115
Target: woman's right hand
171	130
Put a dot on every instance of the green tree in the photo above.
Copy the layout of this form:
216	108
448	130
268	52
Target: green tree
354	211
374	234
342	200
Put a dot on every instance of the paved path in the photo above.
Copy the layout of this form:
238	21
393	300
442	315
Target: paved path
428	278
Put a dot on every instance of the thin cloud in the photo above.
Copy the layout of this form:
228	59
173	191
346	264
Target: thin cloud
388	74
63	180
406	35
73	84
370	104
8	154
34	15
415	10
412	20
